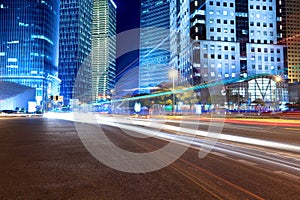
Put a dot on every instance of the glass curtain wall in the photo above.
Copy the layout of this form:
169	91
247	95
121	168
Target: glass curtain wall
29	45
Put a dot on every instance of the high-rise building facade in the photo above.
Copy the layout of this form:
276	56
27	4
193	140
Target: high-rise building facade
29	45
290	28
154	43
229	40
75	46
233	38
103	49
264	54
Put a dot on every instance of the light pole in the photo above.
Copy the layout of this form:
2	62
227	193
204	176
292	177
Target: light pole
277	79
111	101
173	73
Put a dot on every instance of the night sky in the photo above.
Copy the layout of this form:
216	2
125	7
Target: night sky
128	17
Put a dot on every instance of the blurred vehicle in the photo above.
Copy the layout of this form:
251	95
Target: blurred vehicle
8	111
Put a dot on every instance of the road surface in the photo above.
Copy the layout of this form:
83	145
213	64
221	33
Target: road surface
44	158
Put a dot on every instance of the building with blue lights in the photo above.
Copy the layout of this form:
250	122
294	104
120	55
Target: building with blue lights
154	43
75	44
29	45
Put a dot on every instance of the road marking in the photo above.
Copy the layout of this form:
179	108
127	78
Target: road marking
247	162
293	129
219	154
196	181
287	174
221	179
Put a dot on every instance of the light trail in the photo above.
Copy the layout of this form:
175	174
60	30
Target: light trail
233	138
186	136
220	147
121	123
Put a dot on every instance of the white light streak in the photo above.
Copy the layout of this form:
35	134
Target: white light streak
132	126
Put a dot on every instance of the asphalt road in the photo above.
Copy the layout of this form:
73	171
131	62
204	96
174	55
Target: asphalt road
45	159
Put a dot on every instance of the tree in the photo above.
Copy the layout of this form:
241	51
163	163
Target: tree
162	99
236	98
168	102
187	97
259	102
216	99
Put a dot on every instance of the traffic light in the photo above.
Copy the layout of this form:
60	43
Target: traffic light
56	98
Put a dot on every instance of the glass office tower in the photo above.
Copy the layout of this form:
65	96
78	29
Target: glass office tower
154	43
75	47
29	45
103	49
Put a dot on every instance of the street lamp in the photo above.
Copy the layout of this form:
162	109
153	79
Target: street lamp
172	74
277	79
111	101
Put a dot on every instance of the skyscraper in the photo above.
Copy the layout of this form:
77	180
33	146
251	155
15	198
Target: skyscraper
103	49
29	45
229	40
229	34
75	47
290	28
154	43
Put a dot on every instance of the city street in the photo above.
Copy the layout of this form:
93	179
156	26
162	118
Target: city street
149	99
44	158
